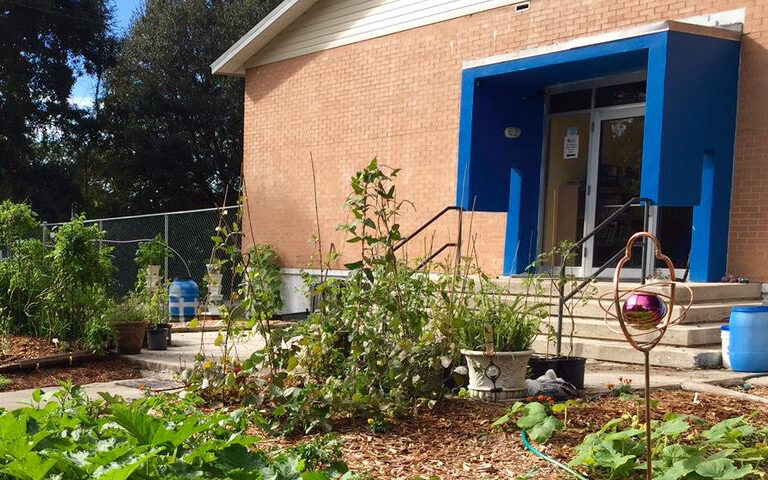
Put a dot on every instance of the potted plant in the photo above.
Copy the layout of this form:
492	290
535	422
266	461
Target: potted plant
129	323
149	257
566	366
495	334
159	329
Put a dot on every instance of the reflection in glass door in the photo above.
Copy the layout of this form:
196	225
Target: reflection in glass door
616	180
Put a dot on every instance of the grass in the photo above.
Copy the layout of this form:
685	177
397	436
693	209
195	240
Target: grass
4	383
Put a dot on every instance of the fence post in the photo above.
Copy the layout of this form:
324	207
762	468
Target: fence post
165	239
45	232
101	229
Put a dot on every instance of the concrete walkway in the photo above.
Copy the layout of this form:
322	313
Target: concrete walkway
11	400
600	374
186	346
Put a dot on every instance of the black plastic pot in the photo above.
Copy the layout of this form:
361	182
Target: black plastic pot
540	365
168	326
570	369
157	338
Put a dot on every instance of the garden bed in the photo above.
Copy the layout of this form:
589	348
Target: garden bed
456	439
16	348
101	370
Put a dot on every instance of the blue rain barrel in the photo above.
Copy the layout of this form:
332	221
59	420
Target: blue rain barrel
183	295
749	339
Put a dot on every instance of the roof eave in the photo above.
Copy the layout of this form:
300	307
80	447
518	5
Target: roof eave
232	62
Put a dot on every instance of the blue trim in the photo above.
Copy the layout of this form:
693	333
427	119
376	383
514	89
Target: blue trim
687	148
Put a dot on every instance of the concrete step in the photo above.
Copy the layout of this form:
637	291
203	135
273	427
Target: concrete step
680	335
711	312
702	292
621	351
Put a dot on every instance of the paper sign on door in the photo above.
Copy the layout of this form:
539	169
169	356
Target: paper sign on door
571	144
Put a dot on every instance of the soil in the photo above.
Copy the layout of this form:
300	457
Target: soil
14	348
104	370
758	390
456	441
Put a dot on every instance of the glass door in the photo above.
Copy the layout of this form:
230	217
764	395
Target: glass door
616	155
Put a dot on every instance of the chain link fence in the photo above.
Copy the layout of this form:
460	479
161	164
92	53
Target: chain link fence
187	233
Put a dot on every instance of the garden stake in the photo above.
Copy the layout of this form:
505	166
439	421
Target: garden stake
642	311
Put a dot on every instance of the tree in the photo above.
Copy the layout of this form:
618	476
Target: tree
44	46
176	130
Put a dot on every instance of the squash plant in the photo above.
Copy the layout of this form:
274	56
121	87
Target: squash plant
684	448
64	435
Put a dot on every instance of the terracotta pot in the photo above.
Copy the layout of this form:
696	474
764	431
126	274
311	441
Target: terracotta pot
129	337
510	384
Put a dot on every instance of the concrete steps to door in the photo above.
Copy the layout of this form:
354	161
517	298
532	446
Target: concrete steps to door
679	335
621	351
693	343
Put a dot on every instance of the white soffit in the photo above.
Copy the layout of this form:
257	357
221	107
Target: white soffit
291	30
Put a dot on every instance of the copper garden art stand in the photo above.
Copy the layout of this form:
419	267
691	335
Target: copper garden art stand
644	314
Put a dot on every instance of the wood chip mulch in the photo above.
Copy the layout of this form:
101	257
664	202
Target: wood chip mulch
14	348
456	441
592	415
94	371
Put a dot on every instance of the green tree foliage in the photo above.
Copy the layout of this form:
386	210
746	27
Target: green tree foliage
176	129
44	47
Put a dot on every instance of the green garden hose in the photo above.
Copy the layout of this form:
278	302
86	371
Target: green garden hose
550	459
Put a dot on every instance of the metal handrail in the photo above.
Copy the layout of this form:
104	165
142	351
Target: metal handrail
456	244
425	225
563	298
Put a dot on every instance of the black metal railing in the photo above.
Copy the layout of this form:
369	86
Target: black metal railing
565	298
456	244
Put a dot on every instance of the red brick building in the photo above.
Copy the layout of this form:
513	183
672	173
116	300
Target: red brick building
543	116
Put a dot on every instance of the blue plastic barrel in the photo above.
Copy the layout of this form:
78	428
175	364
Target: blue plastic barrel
749	339
183	296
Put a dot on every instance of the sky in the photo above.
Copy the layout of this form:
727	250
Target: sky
82	92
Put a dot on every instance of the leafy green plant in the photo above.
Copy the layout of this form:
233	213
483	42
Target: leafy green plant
131	310
624	387
17	220
65	435
511	323
371	351
153	252
535	418
81	270
4	383
683	449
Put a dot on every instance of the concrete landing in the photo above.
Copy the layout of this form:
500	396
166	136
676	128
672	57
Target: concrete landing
186	346
601	374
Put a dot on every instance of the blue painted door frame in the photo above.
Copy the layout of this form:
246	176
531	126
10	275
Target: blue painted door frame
692	83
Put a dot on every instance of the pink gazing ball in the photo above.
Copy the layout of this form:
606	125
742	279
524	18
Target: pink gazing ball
643	311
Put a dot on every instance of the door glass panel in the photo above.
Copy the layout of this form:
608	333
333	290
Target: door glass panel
623	94
570	101
564	204
618	180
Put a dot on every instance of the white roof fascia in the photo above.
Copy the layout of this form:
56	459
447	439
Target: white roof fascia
232	62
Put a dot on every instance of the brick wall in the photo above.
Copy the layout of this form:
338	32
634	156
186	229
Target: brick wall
397	98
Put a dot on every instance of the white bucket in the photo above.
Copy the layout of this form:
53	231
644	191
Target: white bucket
725	337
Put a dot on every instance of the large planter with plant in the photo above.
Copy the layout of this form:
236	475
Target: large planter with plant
129	324
496	335
505	382
129	337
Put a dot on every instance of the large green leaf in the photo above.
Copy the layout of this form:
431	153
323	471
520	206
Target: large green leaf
31	467
722	469
541	432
